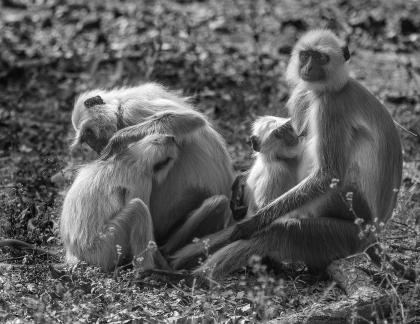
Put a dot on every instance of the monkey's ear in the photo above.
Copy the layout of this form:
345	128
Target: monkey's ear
94	101
346	53
255	143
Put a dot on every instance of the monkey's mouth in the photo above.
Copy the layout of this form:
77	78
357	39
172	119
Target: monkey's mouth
284	158
311	77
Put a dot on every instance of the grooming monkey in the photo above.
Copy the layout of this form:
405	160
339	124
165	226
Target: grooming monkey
98	114
193	199
353	153
107	205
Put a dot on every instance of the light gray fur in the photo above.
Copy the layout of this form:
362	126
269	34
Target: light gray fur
274	170
202	170
107	205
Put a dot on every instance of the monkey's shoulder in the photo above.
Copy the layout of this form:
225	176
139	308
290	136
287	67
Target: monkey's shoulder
358	96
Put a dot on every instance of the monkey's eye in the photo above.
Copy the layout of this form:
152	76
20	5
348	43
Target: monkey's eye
304	56
88	134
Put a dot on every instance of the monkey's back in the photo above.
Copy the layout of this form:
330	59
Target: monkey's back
388	160
370	155
89	203
203	169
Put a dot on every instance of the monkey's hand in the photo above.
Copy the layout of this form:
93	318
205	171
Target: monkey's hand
179	124
238	205
121	139
245	229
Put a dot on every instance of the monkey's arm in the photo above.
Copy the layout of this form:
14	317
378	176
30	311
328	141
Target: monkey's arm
239	200
169	122
307	190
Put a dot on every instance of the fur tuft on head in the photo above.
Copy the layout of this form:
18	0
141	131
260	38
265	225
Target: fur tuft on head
324	41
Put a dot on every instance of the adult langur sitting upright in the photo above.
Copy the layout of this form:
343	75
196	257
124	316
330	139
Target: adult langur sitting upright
354	155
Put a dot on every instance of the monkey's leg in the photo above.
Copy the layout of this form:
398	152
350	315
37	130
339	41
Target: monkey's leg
188	256
141	233
126	235
140	237
315	241
209	217
238	201
230	258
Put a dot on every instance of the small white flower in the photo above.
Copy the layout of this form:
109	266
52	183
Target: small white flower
359	221
334	183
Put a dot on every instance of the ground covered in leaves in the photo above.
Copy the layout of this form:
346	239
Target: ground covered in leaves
231	57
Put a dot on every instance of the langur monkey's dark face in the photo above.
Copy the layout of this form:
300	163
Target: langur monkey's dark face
313	63
318	59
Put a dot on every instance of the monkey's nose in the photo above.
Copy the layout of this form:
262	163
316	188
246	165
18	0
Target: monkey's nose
169	139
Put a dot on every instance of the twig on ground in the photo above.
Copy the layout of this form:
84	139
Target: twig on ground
365	299
403	224
403	248
400	270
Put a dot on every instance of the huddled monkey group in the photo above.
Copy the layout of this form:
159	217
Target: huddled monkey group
164	174
144	187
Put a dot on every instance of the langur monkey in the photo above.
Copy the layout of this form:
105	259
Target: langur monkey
193	200
354	156
105	219
274	171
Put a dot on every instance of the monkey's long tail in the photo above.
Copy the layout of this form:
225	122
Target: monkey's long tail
21	245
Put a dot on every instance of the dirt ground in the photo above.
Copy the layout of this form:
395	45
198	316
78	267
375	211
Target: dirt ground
231	57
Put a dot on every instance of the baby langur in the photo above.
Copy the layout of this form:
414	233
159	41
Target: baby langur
105	219
274	171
